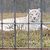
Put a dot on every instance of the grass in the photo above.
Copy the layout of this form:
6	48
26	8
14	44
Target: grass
22	39
11	15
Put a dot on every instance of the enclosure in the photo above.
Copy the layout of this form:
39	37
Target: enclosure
18	39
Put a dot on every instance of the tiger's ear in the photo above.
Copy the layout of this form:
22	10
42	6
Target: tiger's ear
39	9
29	10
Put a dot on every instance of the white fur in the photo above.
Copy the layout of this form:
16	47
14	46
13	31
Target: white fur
34	17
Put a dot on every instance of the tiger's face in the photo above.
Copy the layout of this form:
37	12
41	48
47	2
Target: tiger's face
34	15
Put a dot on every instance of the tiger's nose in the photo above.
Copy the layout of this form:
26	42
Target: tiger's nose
34	18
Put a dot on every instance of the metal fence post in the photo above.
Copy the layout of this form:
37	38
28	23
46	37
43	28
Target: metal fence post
14	24
41	26
2	23
28	21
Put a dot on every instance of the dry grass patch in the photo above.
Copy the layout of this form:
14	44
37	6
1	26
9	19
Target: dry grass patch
11	15
22	38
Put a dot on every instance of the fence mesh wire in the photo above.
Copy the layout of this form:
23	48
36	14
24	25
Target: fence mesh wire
19	38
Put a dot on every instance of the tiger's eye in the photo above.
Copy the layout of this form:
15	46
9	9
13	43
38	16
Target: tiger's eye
31	14
36	13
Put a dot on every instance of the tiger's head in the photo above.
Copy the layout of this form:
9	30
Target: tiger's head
34	15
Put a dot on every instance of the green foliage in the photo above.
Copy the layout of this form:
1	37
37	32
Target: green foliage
22	39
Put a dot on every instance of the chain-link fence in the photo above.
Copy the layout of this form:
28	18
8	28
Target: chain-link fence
15	24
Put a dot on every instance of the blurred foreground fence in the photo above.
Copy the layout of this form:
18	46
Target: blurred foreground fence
35	40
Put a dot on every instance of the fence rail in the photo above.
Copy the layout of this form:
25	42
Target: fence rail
29	23
24	48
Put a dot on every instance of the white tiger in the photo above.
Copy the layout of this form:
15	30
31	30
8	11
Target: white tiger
34	17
